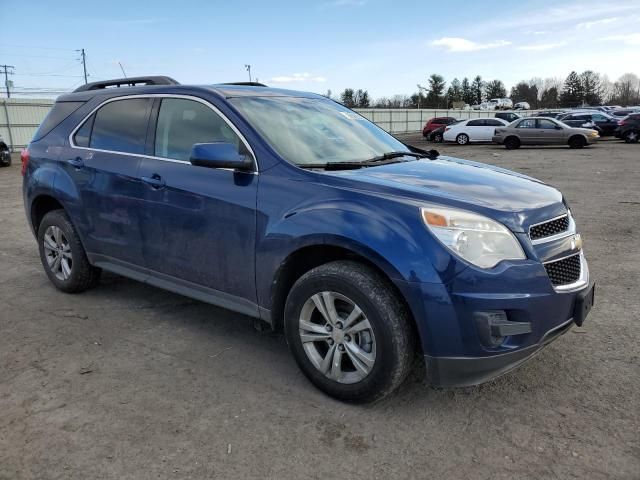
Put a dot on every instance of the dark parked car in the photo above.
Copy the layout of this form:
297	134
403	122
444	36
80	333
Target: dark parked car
551	114
435	123
290	208
606	123
508	116
437	134
5	154
623	112
629	128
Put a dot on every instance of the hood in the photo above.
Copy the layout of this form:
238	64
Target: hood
513	199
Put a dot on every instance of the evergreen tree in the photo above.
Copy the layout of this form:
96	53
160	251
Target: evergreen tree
495	89
572	92
436	91
477	88
591	87
346	98
549	98
467	93
454	93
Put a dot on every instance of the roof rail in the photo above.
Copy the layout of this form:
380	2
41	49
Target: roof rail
246	84
127	82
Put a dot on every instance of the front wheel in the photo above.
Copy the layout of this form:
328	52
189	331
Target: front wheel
462	139
349	333
577	142
437	138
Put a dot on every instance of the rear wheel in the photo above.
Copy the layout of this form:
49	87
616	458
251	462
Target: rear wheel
577	142
511	143
62	255
462	139
348	331
437	138
631	136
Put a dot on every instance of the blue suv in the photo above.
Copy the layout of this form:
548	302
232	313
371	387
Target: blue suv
290	208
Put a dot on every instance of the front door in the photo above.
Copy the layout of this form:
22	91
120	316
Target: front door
198	224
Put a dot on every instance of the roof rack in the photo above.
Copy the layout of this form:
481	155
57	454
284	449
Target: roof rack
246	84
127	82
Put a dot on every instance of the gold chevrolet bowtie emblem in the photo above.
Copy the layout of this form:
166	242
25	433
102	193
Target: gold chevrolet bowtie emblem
576	242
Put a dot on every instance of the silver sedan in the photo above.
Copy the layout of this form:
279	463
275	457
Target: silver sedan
543	131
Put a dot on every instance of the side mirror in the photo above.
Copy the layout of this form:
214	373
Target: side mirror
558	127
219	155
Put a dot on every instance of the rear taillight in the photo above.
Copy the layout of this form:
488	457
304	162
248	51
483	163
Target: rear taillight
446	129
24	158
621	122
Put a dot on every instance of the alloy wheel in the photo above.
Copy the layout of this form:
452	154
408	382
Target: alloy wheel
337	337
58	252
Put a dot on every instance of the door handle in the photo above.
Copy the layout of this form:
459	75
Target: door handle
76	163
154	181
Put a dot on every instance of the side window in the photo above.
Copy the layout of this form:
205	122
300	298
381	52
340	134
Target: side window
528	123
583	117
83	135
182	123
599	118
476	123
547	124
494	123
121	126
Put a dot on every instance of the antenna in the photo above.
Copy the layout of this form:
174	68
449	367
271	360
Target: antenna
122	68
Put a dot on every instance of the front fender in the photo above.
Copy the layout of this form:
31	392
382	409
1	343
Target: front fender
387	231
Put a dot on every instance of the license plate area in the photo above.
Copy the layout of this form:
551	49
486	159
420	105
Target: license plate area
584	302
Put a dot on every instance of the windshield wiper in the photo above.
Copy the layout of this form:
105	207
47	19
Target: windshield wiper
384	159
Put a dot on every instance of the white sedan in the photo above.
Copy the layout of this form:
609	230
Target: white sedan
472	130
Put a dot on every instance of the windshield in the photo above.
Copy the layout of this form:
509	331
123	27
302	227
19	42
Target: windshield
308	131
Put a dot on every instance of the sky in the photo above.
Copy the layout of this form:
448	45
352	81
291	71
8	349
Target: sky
386	47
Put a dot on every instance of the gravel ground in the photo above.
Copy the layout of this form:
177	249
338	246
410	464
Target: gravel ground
128	381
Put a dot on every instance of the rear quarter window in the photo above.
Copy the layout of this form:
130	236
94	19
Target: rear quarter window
59	112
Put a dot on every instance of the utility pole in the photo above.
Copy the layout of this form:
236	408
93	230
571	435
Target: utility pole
248	67
5	70
83	57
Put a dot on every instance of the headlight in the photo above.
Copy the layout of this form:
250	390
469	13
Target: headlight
475	238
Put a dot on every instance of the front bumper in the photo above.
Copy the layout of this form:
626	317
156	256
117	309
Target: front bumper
468	371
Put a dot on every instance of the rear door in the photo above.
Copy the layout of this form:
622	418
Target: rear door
198	224
103	160
526	129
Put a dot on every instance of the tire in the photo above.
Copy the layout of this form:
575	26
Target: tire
5	157
462	139
437	138
64	259
511	143
631	136
385	345
577	142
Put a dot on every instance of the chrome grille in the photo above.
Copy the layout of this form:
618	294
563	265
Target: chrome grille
564	271
550	228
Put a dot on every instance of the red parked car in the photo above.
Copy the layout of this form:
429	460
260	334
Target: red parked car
436	122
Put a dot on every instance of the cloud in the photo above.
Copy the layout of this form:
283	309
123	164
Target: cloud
298	77
594	23
457	44
540	47
627	39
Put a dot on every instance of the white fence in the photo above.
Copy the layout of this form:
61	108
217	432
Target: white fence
408	120
20	117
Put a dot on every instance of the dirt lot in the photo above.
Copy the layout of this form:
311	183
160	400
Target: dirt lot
128	381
